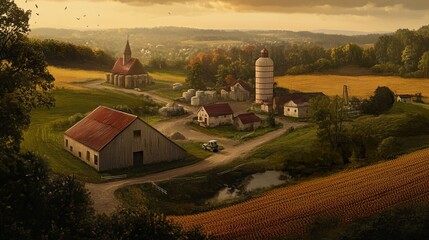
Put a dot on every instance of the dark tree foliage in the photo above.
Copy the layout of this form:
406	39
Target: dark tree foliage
380	102
330	115
139	223
34	206
64	54
25	81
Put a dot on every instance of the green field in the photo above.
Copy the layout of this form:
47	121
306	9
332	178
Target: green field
47	142
229	131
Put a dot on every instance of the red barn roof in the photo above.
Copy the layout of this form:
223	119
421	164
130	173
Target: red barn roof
100	127
218	109
132	67
246	118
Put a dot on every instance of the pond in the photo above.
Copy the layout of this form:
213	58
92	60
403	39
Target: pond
251	183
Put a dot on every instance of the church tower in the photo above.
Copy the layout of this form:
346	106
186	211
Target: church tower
127	53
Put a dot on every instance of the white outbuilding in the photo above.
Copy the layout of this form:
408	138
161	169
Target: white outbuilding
296	108
215	114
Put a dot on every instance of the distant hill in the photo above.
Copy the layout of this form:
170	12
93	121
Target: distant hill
167	40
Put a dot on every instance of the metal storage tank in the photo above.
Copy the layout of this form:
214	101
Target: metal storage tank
191	91
264	73
199	94
196	101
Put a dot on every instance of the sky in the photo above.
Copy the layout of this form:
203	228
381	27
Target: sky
295	15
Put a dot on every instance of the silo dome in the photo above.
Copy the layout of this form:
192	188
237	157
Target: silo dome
264	74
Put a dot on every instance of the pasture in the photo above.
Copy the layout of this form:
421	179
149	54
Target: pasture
359	86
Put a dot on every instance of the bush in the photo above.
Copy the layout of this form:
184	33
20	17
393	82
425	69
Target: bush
388	148
63	124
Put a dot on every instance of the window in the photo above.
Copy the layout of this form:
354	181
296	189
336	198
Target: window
67	142
88	156
295	110
137	133
71	148
95	159
80	154
288	109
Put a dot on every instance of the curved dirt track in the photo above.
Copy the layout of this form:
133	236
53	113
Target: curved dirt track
347	195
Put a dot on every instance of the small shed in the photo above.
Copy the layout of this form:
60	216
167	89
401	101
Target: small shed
247	121
296	108
405	98
108	139
215	114
237	91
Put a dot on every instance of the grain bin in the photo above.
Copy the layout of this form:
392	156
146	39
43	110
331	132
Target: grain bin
264	73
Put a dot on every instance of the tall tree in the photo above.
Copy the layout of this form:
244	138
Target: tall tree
424	64
329	114
25	80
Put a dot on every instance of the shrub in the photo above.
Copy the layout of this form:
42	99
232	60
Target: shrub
63	124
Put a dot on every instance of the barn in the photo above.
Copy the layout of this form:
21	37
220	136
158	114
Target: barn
215	114
296	108
108	139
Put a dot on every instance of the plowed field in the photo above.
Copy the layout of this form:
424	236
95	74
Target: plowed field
347	195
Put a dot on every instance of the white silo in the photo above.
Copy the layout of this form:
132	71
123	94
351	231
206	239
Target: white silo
264	78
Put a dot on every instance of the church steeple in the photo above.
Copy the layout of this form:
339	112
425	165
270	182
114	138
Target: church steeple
127	53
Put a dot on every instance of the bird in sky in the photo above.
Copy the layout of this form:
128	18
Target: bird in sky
98	14
78	18
84	15
36	6
37	14
65	8
169	13
25	1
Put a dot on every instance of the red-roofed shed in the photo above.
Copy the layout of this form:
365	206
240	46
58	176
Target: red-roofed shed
247	121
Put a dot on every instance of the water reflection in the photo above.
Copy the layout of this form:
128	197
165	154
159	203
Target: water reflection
251	183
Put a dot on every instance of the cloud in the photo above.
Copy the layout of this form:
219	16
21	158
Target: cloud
311	6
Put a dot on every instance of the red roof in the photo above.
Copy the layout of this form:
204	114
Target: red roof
132	67
246	118
100	127
218	109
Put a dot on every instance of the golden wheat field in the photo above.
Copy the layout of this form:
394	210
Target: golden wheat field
70	78
347	195
359	86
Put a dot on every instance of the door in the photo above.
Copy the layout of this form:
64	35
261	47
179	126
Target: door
138	159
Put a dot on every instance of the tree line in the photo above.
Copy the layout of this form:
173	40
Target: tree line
404	53
64	54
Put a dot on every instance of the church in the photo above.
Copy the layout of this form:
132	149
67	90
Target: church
128	72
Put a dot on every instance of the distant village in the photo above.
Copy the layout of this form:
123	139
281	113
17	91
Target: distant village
109	139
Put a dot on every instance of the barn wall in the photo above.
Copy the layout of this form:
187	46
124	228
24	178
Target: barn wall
155	146
78	147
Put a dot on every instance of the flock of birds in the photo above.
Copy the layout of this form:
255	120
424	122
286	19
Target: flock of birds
65	9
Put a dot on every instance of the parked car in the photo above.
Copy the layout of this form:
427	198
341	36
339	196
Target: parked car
210	146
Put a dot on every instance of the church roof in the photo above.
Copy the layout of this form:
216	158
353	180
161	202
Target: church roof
132	67
127	50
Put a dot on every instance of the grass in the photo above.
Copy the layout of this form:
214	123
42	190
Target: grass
70	78
169	76
228	131
359	86
47	142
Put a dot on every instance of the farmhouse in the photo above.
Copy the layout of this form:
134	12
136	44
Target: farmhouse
247	121
128	72
404	98
297	105
215	114
238	91
109	139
